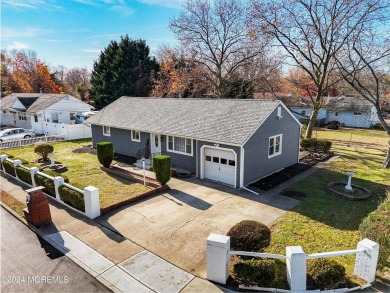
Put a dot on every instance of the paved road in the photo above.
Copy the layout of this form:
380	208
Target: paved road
30	264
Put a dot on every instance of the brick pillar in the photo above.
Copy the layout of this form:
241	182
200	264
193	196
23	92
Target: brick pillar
37	211
218	258
296	268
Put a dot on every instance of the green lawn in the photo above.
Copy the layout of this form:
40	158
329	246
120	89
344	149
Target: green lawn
84	170
323	222
375	137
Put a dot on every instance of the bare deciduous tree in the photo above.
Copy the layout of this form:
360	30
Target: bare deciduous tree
364	64
216	34
311	32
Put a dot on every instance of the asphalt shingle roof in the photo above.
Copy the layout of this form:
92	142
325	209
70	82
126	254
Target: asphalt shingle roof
38	101
230	121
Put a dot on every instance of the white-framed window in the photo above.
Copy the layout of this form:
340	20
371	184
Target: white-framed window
106	130
357	113
72	116
181	145
22	116
275	146
135	135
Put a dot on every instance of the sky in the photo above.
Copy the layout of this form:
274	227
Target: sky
73	32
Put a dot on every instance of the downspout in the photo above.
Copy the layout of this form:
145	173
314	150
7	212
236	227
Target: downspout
197	160
242	173
299	141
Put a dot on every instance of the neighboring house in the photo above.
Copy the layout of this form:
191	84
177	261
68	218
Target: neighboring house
45	113
349	111
235	142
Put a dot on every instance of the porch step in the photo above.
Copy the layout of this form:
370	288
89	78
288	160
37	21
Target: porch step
148	164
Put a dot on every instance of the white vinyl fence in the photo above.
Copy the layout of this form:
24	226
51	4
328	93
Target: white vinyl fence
29	141
218	259
91	194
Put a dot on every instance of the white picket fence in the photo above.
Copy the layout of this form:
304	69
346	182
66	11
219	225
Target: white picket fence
29	141
218	259
91	193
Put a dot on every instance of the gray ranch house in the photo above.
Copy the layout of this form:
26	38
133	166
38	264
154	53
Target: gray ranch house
234	142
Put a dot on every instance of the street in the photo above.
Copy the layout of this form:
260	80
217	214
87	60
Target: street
30	264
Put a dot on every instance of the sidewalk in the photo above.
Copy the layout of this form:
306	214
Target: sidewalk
121	265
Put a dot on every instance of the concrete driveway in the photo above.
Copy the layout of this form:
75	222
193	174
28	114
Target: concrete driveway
175	225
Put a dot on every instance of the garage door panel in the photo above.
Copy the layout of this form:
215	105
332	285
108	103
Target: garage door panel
220	165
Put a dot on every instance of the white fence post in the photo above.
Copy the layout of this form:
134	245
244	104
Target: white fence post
218	258
296	268
58	181
366	261
3	158
33	171
91	202
16	164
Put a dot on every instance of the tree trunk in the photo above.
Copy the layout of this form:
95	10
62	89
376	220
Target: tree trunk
386	163
312	122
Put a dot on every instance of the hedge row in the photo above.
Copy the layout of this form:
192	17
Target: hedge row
48	183
376	227
316	145
72	197
24	174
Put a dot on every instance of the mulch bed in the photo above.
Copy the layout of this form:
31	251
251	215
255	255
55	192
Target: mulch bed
277	178
85	149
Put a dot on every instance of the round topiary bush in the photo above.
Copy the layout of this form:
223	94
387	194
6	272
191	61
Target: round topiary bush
44	149
255	272
105	153
326	273
249	236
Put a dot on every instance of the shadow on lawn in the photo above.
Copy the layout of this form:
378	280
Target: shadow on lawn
339	213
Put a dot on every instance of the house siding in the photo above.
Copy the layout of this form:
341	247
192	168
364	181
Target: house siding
121	140
12	120
347	118
256	162
226	146
179	161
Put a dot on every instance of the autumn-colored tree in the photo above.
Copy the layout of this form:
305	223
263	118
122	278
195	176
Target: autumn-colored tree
179	76
27	74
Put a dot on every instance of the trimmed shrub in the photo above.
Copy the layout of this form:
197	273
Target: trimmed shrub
24	174
376	227
72	197
9	168
255	272
105	153
48	183
162	168
316	145
326	273
249	235
44	149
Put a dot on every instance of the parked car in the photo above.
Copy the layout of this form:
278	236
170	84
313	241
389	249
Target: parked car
16	133
333	125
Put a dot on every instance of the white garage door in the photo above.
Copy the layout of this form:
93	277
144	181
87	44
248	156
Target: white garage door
220	165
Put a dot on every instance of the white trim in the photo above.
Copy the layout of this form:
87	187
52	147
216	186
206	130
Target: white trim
139	135
185	146
275	154
266	118
250	190
196	159
107	133
218	148
299	142
242	166
162	133
152	142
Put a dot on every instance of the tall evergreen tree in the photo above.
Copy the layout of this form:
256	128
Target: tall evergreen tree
123	69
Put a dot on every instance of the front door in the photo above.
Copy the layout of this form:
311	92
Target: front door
155	144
